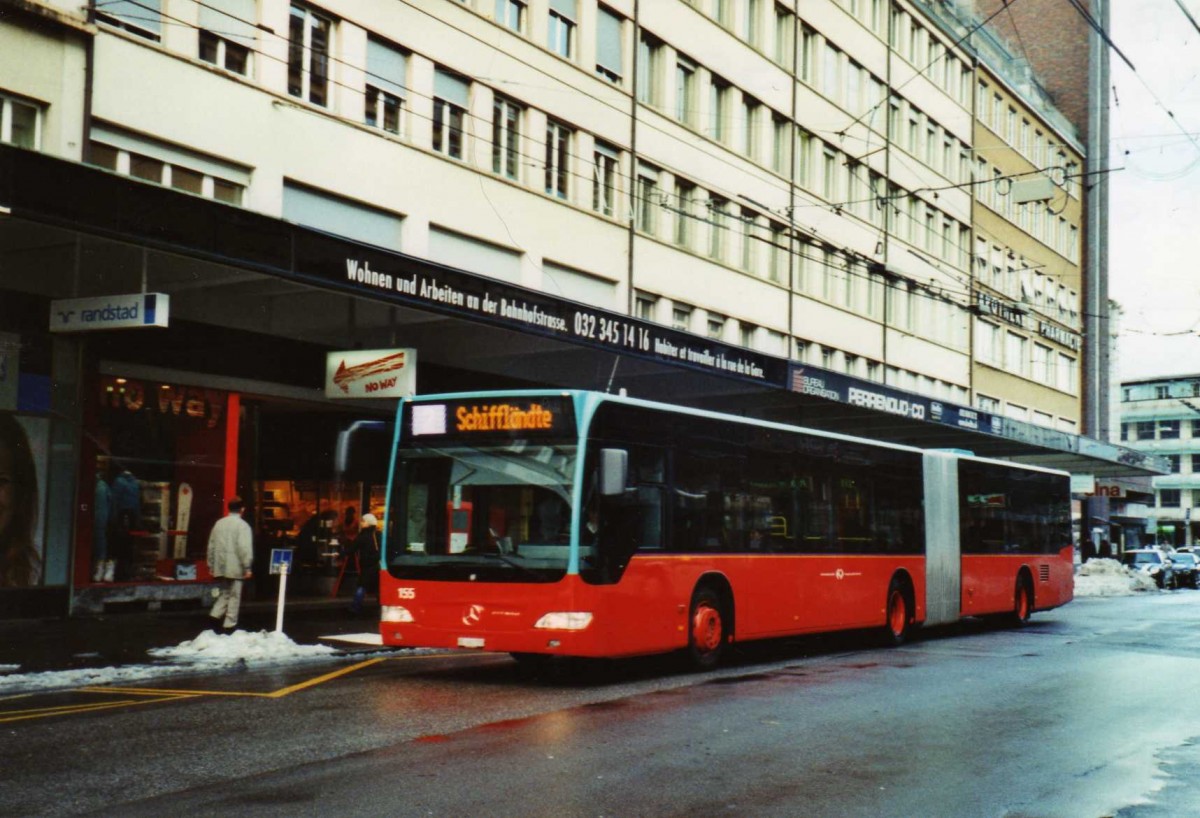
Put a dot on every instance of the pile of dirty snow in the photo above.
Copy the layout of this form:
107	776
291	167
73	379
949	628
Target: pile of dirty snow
251	647
208	651
1105	577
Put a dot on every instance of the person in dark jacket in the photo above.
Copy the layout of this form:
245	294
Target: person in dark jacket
366	548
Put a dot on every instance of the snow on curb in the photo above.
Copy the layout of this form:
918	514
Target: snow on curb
1105	577
208	651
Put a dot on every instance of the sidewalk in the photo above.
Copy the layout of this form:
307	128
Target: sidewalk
111	640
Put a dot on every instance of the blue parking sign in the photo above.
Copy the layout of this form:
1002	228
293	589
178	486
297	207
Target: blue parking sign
281	557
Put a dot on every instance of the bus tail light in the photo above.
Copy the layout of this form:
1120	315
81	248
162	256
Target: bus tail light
564	621
395	613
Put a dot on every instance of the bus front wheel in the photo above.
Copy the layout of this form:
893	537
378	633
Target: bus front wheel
708	629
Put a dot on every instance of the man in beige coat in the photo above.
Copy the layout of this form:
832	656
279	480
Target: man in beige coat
230	553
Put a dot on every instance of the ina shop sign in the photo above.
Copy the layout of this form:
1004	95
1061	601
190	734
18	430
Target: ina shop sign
371	373
207	405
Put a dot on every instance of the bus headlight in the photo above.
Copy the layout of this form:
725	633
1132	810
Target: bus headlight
395	613
564	621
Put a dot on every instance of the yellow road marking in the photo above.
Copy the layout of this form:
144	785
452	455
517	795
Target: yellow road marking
65	710
284	691
162	694
151	691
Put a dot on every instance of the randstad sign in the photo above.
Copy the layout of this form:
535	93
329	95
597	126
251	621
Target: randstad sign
110	312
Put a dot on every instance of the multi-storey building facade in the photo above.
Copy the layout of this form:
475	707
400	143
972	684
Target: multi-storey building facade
814	198
1162	416
1027	251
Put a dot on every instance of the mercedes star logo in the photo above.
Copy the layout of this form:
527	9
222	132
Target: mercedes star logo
473	615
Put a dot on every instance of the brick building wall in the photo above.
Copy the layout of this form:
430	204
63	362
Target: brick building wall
1053	36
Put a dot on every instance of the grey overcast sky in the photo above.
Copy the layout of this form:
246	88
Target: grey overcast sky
1154	206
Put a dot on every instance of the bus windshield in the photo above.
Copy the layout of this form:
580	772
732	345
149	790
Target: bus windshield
499	513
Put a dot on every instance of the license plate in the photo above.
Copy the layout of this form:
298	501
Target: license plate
470	642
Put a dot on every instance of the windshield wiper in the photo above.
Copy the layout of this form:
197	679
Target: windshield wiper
507	560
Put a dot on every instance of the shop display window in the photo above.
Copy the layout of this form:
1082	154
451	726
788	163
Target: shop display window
158	481
317	518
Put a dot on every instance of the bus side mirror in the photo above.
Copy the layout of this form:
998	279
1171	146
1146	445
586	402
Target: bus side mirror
614	471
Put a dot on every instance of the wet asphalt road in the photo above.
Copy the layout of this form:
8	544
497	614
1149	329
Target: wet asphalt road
1086	712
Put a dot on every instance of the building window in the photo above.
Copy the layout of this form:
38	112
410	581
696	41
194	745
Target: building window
644	306
685	90
749	252
685	195
746	333
808	54
224	53
986	404
1168	430
1174	463
561	34
20	123
558	156
716	325
681	317
1016	357
750	30
140	17
723	11
1145	429
716	228
777	270
308	55
449	107
1042	357
608	45
649	57
780	143
506	137
718	100
167	172
1169	498
387	69
831	73
751	111
604	178
647	199
511	14
785	33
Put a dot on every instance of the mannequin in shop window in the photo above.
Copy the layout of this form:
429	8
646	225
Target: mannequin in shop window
19	564
126	518
102	507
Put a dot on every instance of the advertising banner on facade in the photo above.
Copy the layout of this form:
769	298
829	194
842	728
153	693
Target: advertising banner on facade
371	373
386	276
834	386
24	459
10	369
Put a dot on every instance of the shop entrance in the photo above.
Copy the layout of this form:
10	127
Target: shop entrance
300	497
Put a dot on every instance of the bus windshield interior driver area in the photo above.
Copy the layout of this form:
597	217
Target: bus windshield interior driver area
587	524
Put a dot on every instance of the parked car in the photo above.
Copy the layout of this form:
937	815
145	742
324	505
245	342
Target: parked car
1153	563
1187	569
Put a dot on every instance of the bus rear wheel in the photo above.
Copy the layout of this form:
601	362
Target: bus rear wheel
899	614
708	630
1022	603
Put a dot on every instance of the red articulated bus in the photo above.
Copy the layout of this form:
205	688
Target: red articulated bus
593	525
